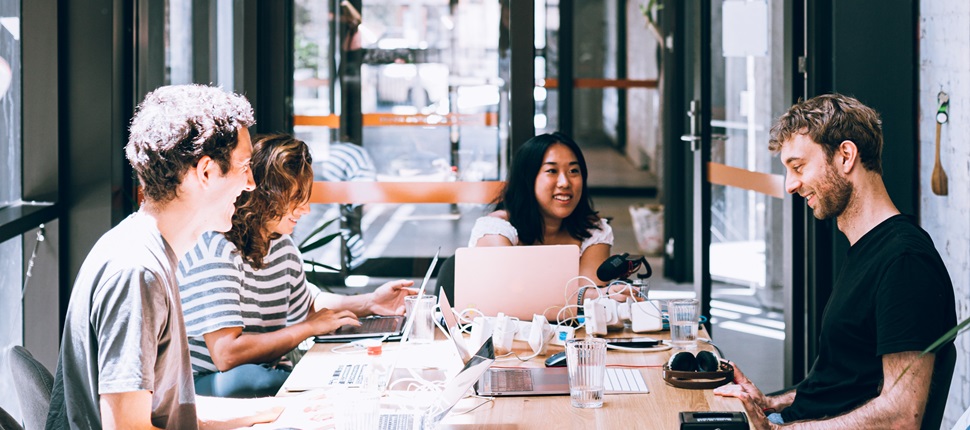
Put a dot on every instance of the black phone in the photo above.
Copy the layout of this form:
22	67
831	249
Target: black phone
632	342
713	420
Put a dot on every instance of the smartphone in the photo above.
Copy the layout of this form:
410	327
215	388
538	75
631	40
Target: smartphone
632	342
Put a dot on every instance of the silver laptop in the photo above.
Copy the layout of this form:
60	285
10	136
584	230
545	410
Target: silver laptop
453	392
534	381
387	327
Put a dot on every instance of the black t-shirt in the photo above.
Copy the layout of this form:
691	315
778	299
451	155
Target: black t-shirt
892	295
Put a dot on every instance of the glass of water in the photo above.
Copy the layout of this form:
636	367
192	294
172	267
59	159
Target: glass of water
422	329
683	315
586	362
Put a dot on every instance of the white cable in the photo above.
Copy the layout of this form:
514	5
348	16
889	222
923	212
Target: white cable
567	297
661	347
627	287
559	320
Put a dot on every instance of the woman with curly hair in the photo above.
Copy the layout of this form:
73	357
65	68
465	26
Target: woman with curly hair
244	293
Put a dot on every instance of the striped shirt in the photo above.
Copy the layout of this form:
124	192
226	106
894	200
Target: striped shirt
220	290
347	162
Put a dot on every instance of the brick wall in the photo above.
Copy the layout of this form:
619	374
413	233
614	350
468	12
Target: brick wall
944	45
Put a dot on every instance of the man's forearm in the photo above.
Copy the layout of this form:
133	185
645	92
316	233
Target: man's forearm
218	413
901	403
779	402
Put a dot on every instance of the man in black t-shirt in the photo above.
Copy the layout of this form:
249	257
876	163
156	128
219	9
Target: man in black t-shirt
891	300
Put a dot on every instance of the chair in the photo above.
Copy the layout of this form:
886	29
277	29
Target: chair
445	281
7	422
943	365
33	383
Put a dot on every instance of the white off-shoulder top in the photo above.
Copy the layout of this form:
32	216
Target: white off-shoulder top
493	225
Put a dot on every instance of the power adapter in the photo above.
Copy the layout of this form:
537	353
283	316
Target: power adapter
646	317
562	333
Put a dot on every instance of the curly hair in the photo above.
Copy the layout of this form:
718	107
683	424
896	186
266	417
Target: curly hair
519	197
175	126
829	120
284	177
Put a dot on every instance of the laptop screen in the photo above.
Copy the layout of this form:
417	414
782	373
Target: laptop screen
424	284
539	277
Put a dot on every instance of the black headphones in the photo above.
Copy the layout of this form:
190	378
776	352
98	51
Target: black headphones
684	361
703	371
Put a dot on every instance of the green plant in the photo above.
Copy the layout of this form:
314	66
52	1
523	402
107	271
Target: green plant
943	340
312	242
948	336
651	11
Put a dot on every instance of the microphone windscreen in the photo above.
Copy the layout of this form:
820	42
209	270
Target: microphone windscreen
613	268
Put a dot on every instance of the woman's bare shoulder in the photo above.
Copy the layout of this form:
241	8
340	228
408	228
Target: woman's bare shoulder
500	214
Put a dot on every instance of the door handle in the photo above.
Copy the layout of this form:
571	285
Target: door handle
695	133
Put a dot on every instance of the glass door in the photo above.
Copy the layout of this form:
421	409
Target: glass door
742	234
398	91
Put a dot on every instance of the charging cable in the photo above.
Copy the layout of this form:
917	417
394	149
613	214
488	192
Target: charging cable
664	346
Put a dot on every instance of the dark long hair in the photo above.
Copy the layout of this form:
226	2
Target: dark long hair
519	196
283	174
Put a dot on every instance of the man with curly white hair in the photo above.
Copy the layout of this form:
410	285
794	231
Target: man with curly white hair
124	360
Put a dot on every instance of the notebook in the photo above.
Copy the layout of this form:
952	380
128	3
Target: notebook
534	381
453	392
518	281
388	327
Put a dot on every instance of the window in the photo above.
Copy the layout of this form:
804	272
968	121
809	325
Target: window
11	249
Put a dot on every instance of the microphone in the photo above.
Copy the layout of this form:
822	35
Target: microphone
622	266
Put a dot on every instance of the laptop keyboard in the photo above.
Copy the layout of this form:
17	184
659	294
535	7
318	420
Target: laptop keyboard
625	381
396	422
348	375
511	380
371	325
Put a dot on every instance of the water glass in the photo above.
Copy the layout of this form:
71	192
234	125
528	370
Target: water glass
586	362
422	315
683	317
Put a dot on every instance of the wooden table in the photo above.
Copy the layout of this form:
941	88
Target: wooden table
656	410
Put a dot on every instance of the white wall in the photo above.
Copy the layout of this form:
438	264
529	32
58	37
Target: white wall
944	47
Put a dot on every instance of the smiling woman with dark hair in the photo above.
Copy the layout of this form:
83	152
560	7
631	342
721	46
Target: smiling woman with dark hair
545	202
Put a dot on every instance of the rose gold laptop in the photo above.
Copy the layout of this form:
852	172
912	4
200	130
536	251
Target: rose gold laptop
518	281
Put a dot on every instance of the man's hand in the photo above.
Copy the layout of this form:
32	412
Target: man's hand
326	320
388	299
756	404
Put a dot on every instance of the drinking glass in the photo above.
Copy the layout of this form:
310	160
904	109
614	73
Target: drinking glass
683	315
586	363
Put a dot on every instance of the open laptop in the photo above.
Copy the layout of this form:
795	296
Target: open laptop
518	281
534	381
387	327
453	392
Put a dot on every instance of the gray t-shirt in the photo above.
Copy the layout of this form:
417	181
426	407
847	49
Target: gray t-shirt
124	332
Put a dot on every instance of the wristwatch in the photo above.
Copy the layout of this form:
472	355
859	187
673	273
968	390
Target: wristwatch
581	294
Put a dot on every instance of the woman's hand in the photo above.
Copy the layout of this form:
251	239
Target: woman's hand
622	291
388	299
326	320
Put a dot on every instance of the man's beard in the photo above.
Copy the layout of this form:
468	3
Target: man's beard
832	195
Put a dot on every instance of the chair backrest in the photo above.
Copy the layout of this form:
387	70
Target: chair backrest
7	422
943	365
33	383
446	278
